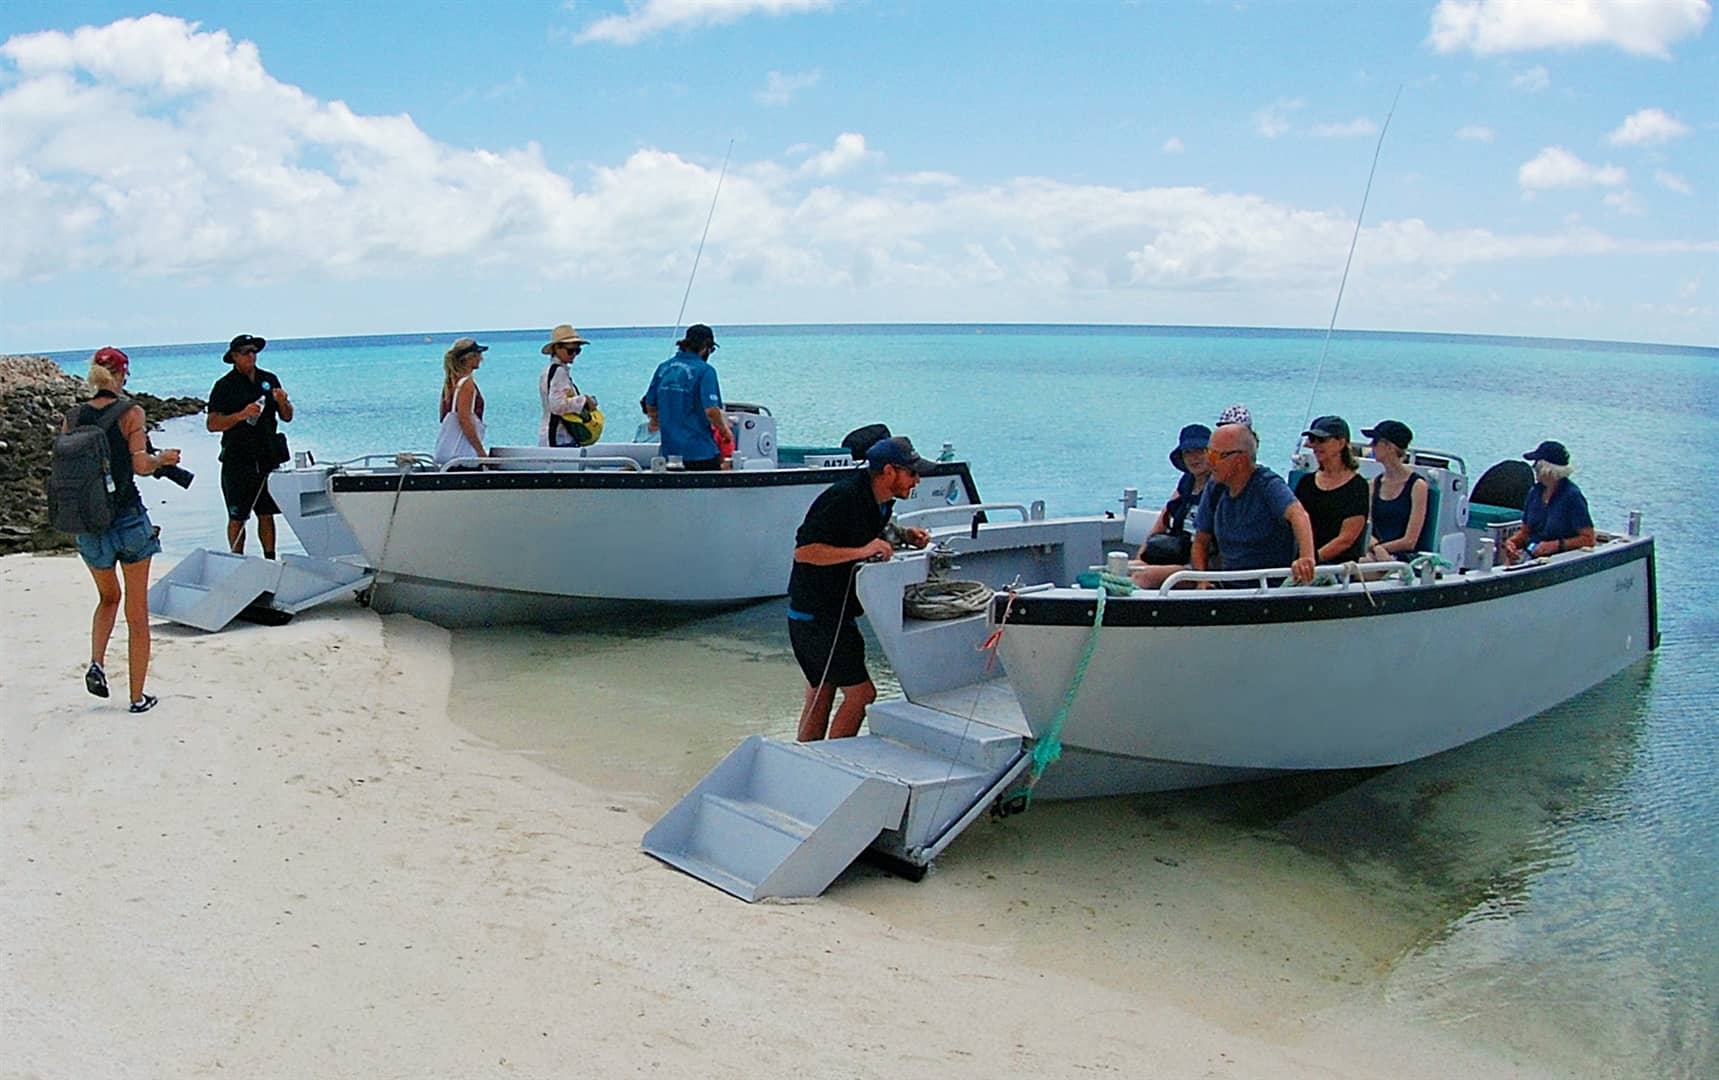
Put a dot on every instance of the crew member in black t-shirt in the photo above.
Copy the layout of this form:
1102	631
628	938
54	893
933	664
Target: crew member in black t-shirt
243	406
844	527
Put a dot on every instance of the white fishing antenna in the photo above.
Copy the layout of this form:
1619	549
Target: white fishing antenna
1329	327
696	255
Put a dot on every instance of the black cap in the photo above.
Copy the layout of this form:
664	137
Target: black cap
1394	432
1553	453
698	336
1329	427
243	341
899	452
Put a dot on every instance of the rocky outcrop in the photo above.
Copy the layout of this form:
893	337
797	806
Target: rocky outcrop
34	396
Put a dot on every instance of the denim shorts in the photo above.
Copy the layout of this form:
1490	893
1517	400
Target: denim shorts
130	539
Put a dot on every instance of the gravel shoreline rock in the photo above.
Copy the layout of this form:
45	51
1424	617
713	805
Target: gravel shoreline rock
35	393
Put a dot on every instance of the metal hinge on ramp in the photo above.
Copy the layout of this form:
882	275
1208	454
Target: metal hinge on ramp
776	819
208	589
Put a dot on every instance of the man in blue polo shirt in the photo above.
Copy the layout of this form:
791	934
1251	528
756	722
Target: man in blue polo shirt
685	403
1249	513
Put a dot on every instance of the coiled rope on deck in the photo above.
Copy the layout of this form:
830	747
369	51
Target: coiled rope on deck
942	598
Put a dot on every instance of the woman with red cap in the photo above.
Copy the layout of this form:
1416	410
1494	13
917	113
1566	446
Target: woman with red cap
130	540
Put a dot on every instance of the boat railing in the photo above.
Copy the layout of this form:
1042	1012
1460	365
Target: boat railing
401	459
562	463
965	508
1342	574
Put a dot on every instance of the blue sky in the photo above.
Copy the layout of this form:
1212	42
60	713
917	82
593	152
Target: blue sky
329	168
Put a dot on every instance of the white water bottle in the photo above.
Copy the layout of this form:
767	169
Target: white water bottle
262	402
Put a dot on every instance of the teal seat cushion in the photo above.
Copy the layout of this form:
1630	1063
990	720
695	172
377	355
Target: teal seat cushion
1482	516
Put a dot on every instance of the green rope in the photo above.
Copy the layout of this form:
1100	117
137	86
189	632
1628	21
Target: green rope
1049	747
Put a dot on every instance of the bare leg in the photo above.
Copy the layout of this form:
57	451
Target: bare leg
137	624
854	700
1153	576
815	717
236	537
107	610
266	534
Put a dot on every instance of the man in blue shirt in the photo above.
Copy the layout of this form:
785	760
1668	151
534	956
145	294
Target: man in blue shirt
685	403
1249	512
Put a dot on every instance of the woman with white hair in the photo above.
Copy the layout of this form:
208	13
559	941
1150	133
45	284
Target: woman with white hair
1555	518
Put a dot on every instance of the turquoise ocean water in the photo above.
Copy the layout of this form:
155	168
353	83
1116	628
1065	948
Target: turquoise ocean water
1562	876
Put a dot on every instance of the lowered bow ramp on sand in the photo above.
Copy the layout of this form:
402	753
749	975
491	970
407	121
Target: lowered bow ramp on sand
783	819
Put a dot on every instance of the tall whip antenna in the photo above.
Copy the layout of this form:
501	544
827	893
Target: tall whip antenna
707	219
1326	347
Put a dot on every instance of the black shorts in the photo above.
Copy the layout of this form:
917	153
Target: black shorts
709	464
827	642
245	489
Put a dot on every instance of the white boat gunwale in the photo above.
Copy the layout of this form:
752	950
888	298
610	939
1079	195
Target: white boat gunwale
1074	607
389	480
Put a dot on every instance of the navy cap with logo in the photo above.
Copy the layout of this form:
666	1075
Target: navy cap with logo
1328	427
1553	453
244	341
1394	432
897	451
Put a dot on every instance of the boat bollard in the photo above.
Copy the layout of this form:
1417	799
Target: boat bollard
1130	498
1429	571
1635	522
1484	554
1116	563
659	464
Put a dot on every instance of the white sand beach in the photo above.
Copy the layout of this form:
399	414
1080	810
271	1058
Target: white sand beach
298	865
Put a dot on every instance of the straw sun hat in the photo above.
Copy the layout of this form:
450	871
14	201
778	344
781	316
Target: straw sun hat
563	335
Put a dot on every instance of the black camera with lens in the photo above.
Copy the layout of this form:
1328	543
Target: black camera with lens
175	473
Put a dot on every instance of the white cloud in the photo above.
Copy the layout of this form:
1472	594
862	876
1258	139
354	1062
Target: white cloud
849	150
1638	27
1556	167
1532	80
1624	202
780	87
1348	129
1476	133
1671	181
1648	127
1689	287
155	151
649	17
1173	145
1273	120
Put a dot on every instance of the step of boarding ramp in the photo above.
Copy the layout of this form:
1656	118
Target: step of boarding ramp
208	589
783	819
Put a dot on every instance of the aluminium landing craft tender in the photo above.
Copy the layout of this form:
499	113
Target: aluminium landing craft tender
1164	689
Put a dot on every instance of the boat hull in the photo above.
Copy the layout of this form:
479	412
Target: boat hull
1260	683
521	545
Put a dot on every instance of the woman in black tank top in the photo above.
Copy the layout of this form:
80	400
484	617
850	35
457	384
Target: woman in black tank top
129	542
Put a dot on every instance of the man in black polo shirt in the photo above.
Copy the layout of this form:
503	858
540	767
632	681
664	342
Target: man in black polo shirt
844	527
243	406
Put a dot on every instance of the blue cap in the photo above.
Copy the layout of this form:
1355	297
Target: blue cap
1193	437
899	452
1553	453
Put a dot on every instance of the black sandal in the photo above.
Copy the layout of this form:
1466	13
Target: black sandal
145	703
95	681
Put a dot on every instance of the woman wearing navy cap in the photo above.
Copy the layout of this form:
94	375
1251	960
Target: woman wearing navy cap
1555	518
1399	494
1189	458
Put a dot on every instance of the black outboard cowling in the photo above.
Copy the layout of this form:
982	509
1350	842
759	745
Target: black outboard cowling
859	440
1505	484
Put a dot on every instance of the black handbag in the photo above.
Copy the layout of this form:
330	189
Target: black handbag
278	452
1169	549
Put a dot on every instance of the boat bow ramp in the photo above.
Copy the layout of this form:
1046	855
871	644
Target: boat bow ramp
783	819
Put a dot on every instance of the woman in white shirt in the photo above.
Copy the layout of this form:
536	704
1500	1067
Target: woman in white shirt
557	392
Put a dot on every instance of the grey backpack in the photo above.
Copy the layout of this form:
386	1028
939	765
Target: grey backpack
80	479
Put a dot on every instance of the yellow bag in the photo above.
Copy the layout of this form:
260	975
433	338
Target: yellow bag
585	427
